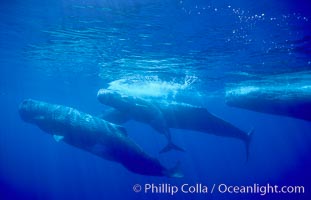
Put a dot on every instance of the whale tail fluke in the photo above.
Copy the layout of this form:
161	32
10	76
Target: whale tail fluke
171	146
174	172
248	141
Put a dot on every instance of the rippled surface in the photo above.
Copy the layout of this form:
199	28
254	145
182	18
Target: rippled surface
215	42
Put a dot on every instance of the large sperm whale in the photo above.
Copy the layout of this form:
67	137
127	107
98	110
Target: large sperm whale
173	115
92	134
286	94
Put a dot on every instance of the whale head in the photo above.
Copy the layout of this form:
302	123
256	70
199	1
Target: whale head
36	112
42	114
29	110
108	97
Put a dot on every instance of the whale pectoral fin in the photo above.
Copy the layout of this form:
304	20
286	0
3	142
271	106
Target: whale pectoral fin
122	130
58	138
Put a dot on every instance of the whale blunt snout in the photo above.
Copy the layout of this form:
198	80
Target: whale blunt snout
25	103
104	92
29	109
24	109
105	96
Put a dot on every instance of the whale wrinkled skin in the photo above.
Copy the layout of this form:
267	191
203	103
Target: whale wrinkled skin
92	134
174	115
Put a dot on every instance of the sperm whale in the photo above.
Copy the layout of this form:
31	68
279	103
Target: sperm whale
92	134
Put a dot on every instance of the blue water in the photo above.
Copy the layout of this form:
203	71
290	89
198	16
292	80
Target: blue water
63	51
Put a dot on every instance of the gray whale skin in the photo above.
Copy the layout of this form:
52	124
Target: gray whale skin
92	134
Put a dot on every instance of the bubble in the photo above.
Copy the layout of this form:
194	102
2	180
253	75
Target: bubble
151	86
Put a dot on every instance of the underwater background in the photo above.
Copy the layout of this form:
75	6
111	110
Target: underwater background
63	51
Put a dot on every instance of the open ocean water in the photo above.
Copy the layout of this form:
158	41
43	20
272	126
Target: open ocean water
64	51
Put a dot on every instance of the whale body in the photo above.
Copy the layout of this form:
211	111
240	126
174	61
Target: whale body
139	110
175	115
92	134
287	95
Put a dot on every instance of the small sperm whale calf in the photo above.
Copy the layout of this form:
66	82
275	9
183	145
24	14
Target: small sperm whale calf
92	134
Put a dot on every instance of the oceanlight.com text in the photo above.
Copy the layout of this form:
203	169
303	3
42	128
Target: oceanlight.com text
199	188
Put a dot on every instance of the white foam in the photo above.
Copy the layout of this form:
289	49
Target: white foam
151	87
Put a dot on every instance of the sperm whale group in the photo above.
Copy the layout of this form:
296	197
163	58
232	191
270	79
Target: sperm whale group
105	136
